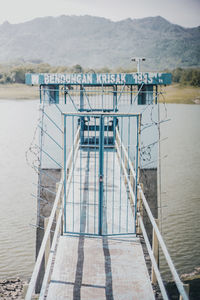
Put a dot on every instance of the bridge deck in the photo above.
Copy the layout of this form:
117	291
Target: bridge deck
99	268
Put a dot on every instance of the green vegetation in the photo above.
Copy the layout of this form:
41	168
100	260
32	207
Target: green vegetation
189	76
185	87
177	93
16	73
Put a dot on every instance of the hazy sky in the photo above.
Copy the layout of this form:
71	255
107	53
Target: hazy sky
182	12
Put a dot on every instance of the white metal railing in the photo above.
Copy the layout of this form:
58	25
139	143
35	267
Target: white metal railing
32	284
58	205
126	164
174	273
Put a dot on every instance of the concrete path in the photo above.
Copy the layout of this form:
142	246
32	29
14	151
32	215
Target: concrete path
99	268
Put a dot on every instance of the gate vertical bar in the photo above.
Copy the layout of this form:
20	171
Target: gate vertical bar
114	98
73	170
120	196
88	175
40	88
101	154
113	181
95	173
128	166
81	118
136	168
64	164
156	95
131	94
81	189
65	95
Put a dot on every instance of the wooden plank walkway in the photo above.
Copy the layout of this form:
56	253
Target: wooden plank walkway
99	268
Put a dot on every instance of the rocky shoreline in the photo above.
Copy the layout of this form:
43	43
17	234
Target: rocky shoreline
15	288
12	288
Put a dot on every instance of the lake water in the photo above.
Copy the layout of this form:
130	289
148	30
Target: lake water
180	187
17	208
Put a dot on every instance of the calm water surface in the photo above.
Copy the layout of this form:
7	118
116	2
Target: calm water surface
17	208
180	187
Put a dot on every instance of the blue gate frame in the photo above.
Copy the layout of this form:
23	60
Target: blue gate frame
100	139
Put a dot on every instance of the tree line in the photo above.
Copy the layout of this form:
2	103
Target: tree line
16	73
186	76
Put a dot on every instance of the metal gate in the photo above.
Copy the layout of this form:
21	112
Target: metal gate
100	173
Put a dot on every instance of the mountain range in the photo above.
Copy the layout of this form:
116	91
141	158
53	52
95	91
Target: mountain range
97	42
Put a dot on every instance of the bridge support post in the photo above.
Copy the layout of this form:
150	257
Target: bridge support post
155	248
140	210
187	289
60	205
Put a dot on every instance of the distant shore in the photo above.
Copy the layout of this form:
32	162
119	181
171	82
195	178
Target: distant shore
179	94
17	91
171	94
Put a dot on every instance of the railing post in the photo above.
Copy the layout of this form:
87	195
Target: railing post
187	289
155	248
48	244
62	207
60	204
140	210
24	291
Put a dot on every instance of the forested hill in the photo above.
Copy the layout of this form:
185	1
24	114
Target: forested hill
98	42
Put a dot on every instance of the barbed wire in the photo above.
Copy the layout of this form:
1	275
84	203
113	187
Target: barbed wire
33	151
32	154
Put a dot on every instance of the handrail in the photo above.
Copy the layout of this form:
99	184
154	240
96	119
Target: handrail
156	270
51	254
69	159
125	153
175	275
118	143
36	269
58	224
125	174
177	280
